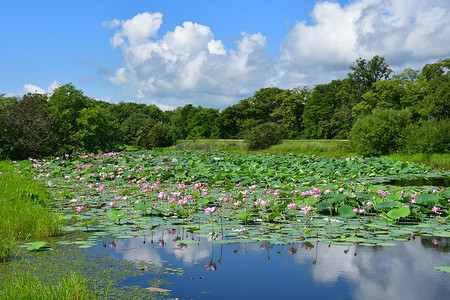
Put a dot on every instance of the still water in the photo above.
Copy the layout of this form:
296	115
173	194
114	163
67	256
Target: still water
262	271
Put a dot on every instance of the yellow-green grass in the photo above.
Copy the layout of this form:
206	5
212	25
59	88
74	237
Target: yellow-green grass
22	285
24	211
232	146
438	160
327	148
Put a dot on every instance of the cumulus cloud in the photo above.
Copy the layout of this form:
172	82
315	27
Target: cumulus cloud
405	32
188	65
31	88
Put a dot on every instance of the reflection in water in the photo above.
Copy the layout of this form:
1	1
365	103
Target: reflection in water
296	271
435	181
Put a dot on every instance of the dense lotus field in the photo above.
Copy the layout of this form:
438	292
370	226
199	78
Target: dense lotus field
277	199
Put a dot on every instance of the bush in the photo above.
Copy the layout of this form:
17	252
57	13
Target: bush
432	136
379	133
157	134
264	136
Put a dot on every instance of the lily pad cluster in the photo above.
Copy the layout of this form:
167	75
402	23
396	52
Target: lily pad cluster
279	199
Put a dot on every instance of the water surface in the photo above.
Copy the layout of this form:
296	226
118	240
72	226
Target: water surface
296	271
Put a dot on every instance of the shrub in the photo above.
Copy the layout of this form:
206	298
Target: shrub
156	134
264	136
432	136
379	133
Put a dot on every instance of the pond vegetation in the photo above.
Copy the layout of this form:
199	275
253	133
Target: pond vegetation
237	199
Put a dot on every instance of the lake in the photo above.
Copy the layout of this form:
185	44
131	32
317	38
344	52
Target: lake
296	271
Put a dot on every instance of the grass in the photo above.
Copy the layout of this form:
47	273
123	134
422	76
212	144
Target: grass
24	211
327	148
23	285
232	146
440	161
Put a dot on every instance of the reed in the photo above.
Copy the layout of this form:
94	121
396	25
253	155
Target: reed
24	211
22	285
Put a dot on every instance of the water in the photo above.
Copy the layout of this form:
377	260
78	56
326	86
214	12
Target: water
262	271
435	181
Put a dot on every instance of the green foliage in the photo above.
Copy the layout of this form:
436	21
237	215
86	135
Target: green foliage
28	128
24	212
264	136
431	136
380	133
67	121
28	286
153	134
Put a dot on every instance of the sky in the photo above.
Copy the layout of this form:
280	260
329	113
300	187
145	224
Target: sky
208	53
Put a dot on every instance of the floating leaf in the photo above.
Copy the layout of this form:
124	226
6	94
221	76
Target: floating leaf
308	231
427	199
346	212
445	269
36	246
116	214
397	213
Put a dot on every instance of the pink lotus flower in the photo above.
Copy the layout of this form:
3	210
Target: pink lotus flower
355	210
210	265
210	210
435	209
292	206
80	208
112	203
306	209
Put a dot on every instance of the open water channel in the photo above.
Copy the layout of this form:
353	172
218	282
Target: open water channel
296	271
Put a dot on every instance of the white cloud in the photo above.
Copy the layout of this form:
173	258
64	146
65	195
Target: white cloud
31	88
405	32
188	65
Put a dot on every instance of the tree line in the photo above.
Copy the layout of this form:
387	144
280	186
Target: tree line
370	104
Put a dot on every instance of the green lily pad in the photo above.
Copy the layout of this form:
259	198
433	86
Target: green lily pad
445	269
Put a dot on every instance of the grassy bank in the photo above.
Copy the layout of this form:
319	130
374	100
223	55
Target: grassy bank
29	286
24	211
328	148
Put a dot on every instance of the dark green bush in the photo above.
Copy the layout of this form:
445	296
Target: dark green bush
158	134
432	136
263	136
380	133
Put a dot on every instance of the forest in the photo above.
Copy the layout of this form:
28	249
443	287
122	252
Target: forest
379	112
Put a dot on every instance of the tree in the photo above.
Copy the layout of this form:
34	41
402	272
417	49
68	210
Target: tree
152	134
96	132
263	136
28	127
380	133
204	124
320	107
436	102
366	73
67	104
291	109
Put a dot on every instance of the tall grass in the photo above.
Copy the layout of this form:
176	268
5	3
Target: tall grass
313	147
440	161
328	148
22	285
310	147
24	211
232	146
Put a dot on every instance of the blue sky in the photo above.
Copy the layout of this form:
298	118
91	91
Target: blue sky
209	53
